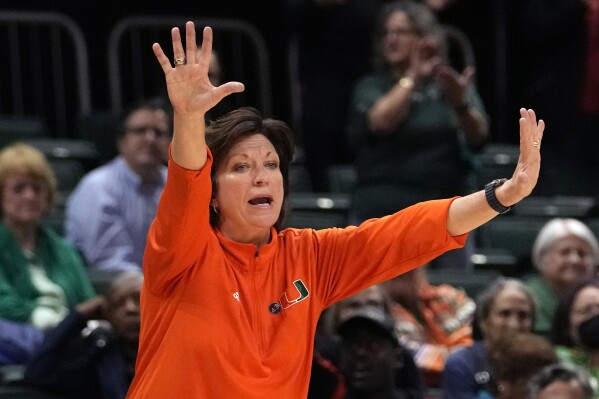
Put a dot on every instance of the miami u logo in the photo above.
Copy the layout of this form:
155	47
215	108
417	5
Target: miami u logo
284	302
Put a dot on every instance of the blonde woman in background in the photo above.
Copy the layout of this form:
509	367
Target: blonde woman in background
41	275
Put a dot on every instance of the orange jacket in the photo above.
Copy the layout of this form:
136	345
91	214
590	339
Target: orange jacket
220	319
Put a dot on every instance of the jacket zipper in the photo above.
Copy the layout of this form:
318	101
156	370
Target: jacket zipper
257	310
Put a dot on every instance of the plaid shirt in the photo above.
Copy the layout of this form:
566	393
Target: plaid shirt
443	323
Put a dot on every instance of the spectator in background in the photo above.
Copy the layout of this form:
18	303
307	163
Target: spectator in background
575	329
565	252
514	359
560	381
504	308
371	355
326	381
407	378
412	121
333	50
109	213
430	320
41	275
85	358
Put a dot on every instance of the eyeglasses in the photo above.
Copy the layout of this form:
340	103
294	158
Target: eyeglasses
398	32
140	130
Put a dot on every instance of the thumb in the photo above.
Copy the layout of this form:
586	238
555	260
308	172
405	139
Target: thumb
228	88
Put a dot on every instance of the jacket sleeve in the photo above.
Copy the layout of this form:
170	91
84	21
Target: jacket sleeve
181	232
352	259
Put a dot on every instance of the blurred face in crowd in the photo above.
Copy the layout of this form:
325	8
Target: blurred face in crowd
568	261
562	390
368	360
123	307
249	190
371	296
398	39
25	199
510	313
585	305
144	144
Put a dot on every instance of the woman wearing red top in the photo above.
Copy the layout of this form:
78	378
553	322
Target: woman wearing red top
230	304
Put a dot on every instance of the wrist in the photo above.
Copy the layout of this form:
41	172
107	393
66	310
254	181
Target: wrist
495	196
406	82
507	194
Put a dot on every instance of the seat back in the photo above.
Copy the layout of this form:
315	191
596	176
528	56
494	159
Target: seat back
135	74
45	72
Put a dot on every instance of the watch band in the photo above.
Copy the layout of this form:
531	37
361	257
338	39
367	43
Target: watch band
492	198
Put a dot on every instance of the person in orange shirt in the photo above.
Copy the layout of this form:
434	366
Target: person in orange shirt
430	320
230	303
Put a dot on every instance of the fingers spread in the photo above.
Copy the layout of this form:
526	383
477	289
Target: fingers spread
224	90
177	45
161	57
206	50
190	41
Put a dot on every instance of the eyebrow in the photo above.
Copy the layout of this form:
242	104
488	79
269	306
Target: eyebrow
245	155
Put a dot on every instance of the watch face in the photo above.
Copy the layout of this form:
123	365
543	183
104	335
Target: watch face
498	182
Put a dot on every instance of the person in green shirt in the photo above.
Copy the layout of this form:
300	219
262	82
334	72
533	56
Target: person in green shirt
41	275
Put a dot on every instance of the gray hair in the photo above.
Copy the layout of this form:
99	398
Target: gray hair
560	372
486	299
558	228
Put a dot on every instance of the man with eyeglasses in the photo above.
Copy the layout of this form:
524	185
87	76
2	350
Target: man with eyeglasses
110	211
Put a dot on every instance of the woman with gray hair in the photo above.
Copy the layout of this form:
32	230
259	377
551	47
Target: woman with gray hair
504	308
565	253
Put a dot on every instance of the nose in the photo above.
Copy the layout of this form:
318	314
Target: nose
151	133
261	176
29	192
514	323
131	305
574	257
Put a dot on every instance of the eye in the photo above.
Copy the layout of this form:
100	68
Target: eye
240	167
272	165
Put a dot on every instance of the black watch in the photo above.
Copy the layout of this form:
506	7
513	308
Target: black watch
492	198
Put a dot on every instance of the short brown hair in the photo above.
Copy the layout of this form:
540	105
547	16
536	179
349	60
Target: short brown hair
225	132
23	158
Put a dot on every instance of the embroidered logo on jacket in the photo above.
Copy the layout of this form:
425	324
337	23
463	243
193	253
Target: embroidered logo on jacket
284	302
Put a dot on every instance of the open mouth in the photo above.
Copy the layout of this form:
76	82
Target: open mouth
261	201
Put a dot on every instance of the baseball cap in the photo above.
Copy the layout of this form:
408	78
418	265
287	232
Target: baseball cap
368	315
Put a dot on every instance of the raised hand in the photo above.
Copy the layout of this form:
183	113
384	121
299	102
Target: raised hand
526	174
424	58
189	89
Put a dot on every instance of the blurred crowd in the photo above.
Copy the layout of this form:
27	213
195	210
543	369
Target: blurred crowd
389	88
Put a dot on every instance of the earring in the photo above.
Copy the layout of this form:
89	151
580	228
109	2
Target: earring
214	209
